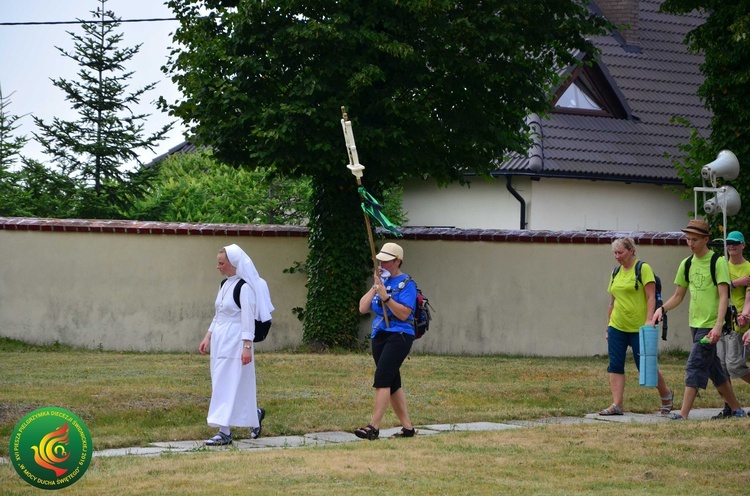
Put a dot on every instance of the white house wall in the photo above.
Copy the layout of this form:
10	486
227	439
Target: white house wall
482	205
551	204
607	206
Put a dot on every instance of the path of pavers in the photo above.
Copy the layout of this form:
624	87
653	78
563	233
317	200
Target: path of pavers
323	438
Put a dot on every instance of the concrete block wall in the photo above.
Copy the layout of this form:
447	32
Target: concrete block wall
128	285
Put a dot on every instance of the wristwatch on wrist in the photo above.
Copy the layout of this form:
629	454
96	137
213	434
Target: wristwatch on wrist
248	346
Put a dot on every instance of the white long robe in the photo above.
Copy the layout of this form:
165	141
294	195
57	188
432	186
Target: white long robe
233	396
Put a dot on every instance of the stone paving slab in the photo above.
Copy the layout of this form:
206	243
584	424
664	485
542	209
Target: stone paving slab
333	437
629	417
180	445
564	420
702	414
474	426
130	451
422	430
279	442
526	423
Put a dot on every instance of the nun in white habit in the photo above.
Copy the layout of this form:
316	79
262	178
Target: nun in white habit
230	339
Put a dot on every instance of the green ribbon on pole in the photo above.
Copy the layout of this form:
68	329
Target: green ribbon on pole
373	208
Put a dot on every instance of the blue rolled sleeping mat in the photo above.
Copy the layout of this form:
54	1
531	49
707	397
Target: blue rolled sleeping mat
649	341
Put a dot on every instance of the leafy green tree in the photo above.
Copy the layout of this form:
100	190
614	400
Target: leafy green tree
106	137
725	43
434	89
195	187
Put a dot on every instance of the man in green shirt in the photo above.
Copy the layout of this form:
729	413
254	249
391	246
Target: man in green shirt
730	348
708	306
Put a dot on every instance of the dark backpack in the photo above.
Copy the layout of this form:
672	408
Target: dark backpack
657	293
714	258
422	310
261	328
731	315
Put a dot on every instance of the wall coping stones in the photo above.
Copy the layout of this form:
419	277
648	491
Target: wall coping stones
269	230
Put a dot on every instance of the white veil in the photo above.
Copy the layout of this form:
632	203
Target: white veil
247	271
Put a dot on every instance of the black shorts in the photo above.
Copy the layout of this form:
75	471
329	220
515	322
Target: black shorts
389	350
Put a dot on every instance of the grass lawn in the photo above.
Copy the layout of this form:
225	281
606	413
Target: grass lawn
131	399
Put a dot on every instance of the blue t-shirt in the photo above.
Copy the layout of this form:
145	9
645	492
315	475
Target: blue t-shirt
401	292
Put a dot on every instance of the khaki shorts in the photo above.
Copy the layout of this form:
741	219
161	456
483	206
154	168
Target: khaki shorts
732	355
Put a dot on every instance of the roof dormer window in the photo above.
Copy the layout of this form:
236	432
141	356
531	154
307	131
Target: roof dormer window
589	91
577	97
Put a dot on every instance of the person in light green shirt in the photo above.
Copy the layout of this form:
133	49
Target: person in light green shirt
708	306
631	306
730	349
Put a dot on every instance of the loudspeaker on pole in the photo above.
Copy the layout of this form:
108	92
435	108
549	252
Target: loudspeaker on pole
725	166
729	198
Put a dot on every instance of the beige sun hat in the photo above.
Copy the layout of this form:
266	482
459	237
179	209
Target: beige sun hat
390	251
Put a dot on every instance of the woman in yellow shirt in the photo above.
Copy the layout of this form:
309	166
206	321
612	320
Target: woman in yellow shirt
631	306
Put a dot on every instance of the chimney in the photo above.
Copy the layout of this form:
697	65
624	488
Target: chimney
621	13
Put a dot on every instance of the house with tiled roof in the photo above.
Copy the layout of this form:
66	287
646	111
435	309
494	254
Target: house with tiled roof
183	147
603	159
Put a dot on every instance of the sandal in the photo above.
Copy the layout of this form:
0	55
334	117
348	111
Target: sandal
404	432
665	409
220	439
368	432
611	410
255	431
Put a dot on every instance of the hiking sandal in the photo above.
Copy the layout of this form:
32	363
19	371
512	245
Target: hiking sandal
220	439
665	409
368	432
404	432
611	410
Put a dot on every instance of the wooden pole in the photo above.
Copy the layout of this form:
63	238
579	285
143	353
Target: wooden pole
357	170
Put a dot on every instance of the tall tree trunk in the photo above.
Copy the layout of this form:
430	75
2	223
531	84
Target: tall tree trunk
338	264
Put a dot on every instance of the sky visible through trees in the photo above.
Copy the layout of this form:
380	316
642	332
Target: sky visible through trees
29	59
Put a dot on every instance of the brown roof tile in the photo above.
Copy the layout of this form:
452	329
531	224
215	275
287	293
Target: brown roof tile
658	81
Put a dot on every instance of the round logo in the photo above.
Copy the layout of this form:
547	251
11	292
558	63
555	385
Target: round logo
50	448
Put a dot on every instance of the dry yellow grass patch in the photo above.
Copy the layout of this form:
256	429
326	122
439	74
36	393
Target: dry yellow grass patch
661	459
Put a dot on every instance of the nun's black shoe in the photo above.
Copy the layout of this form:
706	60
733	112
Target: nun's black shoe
255	432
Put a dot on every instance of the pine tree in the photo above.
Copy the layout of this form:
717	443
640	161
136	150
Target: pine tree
95	149
10	145
10	150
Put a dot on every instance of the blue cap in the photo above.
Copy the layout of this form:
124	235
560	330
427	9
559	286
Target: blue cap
736	237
